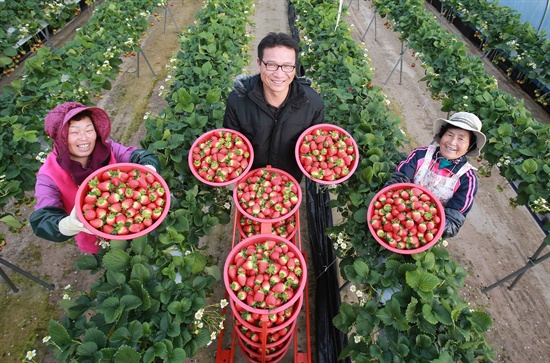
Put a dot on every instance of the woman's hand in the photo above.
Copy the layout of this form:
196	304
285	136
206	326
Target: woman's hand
70	225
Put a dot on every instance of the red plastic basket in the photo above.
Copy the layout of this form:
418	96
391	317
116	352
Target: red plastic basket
406	186
84	188
261	238
252	227
296	309
253	356
351	157
194	156
268	171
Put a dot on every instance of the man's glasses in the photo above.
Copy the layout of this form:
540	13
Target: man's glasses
273	67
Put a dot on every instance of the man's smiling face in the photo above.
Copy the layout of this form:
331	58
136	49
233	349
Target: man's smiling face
277	81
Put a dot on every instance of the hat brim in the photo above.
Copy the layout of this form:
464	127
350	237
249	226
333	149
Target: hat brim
480	136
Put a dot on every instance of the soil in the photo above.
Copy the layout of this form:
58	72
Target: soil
495	241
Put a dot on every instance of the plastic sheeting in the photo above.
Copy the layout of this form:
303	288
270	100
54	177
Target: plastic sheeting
536	12
330	341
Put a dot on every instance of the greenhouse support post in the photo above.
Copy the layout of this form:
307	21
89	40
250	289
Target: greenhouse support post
167	10
146	61
533	261
22	272
368	27
399	62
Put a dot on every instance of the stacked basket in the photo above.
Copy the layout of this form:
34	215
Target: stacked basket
266	274
267	305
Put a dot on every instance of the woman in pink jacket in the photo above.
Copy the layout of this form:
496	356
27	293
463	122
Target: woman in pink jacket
81	145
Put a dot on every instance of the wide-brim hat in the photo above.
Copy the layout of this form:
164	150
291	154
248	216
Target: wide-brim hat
466	121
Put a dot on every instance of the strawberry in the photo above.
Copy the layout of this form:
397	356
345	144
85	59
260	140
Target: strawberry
278	288
241	279
105	186
241	295
259	296
90	198
157	212
108	229
115	208
101	203
136	227
271	300
96	223
89	214
110	219
232	272
101	213
235	286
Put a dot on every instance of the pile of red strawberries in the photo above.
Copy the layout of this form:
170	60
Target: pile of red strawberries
265	275
221	156
267	193
123	203
405	218
327	155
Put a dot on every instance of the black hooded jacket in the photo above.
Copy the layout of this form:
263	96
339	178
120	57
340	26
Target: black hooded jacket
273	139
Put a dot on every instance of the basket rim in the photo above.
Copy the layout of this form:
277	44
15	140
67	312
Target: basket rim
331	127
83	189
400	186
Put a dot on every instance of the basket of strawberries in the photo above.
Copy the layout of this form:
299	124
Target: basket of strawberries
327	154
406	218
122	201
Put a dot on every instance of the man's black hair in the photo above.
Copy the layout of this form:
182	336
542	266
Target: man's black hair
273	40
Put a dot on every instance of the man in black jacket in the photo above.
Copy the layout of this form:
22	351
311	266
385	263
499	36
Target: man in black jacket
274	107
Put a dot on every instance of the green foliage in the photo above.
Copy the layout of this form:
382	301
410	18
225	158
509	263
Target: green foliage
409	309
22	22
144	304
503	34
516	142
136	312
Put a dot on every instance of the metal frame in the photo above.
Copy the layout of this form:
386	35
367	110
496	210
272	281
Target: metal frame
6	278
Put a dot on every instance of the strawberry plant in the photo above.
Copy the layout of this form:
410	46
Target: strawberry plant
506	37
408	309
23	23
136	316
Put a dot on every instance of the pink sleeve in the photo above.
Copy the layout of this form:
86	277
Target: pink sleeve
47	193
122	153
